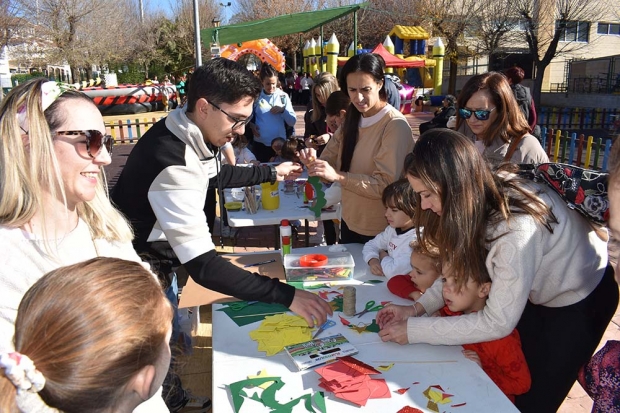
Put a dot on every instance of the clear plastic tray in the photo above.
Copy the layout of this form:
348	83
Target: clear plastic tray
339	267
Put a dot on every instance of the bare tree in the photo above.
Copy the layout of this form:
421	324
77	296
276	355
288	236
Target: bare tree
449	19
184	23
495	26
547	22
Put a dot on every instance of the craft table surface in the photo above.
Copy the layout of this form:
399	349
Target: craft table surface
235	357
291	208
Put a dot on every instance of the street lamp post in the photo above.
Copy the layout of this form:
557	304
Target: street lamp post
197	35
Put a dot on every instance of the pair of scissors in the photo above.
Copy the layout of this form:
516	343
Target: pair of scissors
370	306
240	305
325	326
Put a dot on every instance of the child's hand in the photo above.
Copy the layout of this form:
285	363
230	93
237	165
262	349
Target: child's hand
383	254
322	139
375	267
473	356
307	156
415	295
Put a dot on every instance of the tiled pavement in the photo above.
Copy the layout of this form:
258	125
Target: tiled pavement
262	238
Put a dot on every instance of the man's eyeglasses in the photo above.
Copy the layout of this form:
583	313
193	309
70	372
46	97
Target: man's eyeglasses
479	114
95	140
238	122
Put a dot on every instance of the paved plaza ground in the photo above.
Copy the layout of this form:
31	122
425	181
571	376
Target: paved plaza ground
197	373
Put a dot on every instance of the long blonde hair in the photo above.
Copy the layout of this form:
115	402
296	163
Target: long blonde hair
89	328
324	85
29	167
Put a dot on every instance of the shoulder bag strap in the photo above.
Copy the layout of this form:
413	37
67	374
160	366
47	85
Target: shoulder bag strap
512	148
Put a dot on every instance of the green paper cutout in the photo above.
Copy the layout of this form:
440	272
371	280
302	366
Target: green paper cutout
372	282
373	327
319	400
336	303
319	198
264	309
237	393
269	395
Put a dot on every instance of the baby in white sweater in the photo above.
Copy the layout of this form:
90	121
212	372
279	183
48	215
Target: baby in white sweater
389	252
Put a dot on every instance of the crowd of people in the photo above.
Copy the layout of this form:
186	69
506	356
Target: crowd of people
491	261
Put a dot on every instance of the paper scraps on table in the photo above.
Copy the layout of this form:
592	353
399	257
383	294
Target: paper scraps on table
349	379
325	294
402	391
361	327
336	303
248	314
280	330
436	396
261	374
385	368
409	409
267	395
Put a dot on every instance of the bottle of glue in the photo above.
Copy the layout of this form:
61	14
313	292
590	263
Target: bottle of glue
286	234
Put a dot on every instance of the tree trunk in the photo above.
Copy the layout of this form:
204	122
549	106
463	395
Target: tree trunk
537	84
454	62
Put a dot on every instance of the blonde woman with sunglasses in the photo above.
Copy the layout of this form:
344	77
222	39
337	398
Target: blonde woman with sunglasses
488	108
54	209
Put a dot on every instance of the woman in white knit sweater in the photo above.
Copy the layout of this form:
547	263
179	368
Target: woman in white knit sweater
54	210
551	278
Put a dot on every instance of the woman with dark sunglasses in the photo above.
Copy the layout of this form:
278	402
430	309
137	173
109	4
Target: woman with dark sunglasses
54	209
487	107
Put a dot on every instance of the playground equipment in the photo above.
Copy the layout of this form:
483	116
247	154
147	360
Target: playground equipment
264	49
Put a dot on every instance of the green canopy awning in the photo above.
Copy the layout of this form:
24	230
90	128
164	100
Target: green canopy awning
276	26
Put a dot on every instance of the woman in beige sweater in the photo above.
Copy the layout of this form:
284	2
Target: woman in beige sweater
367	153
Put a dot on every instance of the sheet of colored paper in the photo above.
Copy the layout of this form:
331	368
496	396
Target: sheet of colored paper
253	313
280	330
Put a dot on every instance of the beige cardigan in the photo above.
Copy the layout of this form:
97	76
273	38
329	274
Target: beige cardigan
383	142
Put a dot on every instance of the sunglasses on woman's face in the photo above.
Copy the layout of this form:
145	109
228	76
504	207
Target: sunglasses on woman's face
95	140
479	114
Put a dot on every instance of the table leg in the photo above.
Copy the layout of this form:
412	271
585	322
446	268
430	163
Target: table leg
307	236
277	234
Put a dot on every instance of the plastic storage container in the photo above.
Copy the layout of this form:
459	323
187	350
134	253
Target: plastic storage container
340	267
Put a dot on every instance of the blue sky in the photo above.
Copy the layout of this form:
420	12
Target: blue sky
165	5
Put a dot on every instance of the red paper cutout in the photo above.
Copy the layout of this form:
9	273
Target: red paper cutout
344	321
358	365
402	391
409	409
458	405
416	382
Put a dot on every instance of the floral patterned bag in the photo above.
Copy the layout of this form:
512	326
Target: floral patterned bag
584	190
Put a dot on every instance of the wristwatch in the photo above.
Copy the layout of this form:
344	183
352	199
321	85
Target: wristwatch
273	177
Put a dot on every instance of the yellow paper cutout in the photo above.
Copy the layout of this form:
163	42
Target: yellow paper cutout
262	373
385	368
280	330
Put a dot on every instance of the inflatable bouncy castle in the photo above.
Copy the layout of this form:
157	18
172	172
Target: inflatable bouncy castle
262	48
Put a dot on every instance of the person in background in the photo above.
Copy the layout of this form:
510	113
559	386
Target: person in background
306	83
367	153
316	134
336	107
54	208
442	115
181	89
388	253
547	285
488	107
515	76
600	377
502	359
277	144
290	150
425	270
241	153
273	112
92	349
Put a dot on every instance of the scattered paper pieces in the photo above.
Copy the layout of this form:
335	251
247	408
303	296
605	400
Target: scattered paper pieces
436	396
402	391
248	314
458	405
361	327
267	396
385	368
261	374
280	330
349	379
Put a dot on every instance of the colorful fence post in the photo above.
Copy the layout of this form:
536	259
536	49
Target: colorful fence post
580	149
571	148
121	131
606	155
599	144
589	151
129	131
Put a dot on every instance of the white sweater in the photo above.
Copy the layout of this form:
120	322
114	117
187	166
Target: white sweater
23	261
398	261
528	263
